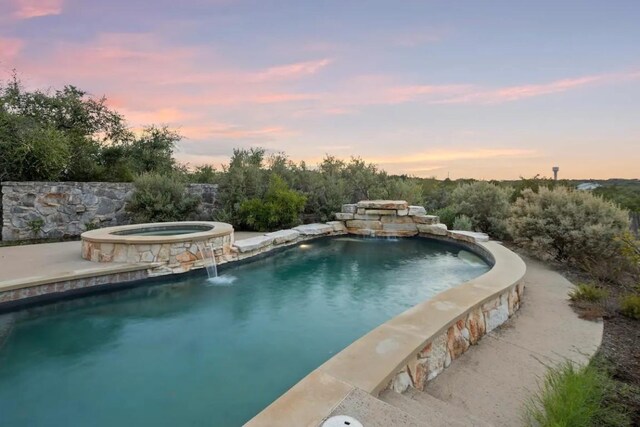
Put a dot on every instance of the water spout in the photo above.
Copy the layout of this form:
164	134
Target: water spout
212	267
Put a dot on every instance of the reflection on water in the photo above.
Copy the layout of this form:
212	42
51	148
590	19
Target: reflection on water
192	352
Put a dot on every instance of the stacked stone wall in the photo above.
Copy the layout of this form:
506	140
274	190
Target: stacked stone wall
396	218
52	210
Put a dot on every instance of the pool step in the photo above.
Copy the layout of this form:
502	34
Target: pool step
431	411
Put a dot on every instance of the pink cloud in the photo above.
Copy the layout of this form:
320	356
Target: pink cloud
515	93
226	131
10	48
298	69
26	9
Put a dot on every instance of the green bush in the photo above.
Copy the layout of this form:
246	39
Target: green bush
485	204
588	292
447	216
463	223
161	198
573	396
630	306
279	208
568	225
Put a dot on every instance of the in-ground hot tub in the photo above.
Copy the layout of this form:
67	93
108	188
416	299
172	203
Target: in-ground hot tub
178	245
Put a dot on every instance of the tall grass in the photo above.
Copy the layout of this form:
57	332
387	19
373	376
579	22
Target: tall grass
572	396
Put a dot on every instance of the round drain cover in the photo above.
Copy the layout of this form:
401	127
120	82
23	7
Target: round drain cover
342	421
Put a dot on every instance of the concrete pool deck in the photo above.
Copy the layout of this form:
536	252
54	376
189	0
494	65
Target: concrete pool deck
30	265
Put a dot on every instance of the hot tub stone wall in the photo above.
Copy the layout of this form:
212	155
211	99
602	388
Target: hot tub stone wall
66	209
177	257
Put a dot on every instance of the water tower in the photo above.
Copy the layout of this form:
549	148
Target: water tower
555	170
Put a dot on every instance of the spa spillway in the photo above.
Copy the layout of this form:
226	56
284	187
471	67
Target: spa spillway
178	245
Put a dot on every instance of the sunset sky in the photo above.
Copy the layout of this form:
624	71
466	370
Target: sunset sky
483	89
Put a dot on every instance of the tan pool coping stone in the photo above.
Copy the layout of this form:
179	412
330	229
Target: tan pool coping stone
73	266
106	235
103	270
370	362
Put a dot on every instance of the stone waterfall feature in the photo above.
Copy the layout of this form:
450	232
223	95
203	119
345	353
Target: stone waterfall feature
396	218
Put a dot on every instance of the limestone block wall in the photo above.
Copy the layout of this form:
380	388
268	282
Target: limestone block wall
457	338
396	218
174	257
66	209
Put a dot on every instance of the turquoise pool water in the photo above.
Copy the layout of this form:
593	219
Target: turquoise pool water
191	353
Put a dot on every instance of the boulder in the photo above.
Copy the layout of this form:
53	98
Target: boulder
253	243
314	229
343	216
283	236
383	204
417	210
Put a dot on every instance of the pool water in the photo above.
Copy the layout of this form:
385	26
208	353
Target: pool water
165	230
189	352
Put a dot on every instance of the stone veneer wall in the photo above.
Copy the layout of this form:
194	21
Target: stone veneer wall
175	257
67	209
440	351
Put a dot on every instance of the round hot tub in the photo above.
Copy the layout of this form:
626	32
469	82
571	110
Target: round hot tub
178	245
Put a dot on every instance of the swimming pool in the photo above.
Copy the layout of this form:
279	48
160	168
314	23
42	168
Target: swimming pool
189	352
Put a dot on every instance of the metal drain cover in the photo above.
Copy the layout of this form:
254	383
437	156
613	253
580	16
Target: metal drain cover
342	421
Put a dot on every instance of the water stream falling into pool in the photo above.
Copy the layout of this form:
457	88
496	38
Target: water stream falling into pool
212	268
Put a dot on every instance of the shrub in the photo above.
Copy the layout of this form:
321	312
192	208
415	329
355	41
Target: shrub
447	216
573	396
463	223
280	208
486	205
568	225
588	292
630	306
160	198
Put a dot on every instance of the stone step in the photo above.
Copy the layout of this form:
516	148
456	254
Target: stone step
430	410
373	412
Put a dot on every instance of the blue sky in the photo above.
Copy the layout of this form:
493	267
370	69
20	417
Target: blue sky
466	89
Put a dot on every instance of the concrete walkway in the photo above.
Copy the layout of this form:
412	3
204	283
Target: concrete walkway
43	260
493	379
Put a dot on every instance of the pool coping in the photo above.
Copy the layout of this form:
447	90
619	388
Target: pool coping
376	361
106	235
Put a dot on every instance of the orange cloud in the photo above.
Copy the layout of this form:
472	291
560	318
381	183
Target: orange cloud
455	154
26	9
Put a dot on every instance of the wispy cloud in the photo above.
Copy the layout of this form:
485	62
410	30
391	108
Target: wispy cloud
442	155
298	69
26	9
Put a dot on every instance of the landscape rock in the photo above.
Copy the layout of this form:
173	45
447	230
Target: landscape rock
349	208
252	243
435	229
283	236
314	229
344	216
417	210
383	204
